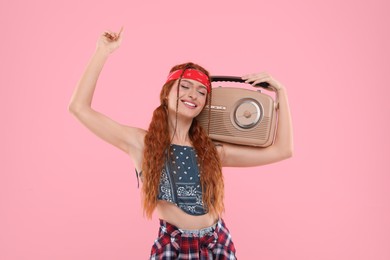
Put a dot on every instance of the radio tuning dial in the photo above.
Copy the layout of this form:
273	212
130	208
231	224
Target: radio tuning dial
247	113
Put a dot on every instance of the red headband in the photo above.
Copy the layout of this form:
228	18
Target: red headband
191	74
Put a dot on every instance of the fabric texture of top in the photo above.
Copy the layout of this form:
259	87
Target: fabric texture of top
180	180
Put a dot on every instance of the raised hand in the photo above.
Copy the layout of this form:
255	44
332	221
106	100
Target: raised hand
109	41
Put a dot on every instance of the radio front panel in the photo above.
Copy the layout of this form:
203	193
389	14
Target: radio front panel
240	116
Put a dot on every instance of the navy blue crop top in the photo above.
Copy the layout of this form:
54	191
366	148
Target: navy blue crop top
180	180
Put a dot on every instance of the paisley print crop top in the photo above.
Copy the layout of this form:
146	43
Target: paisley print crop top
180	180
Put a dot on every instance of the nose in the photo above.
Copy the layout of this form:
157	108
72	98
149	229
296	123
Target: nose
193	93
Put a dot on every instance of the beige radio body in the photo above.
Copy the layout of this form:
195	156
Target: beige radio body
240	116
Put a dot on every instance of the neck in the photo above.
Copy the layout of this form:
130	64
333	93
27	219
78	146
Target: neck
179	131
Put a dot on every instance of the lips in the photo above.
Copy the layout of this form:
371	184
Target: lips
188	104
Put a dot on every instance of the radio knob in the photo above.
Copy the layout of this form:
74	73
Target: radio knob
247	113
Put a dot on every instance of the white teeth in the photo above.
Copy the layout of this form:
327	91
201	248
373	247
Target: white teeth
190	104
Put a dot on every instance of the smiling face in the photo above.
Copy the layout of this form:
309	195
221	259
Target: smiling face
192	98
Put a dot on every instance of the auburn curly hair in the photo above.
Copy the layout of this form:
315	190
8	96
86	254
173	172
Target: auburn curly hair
158	140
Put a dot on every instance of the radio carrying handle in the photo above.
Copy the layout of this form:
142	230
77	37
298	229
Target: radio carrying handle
240	80
236	79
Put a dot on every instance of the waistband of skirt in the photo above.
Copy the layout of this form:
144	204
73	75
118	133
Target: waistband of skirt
171	229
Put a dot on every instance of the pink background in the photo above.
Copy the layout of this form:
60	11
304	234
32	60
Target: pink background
65	194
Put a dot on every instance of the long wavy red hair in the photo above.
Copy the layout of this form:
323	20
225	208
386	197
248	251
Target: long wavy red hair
158	140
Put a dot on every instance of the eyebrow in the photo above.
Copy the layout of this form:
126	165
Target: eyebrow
189	82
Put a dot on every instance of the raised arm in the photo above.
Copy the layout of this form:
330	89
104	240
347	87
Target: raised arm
282	148
127	139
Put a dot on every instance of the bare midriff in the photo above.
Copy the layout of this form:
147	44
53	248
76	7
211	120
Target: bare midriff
175	216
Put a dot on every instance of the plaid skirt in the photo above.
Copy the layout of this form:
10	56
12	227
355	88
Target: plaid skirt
209	243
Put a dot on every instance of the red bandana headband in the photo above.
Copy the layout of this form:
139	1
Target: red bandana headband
191	74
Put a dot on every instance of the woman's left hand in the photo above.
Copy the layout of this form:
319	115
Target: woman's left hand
257	78
246	156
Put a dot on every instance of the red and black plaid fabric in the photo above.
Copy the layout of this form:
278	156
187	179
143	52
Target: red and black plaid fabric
210	243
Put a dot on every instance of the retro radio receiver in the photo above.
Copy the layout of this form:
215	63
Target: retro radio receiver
240	116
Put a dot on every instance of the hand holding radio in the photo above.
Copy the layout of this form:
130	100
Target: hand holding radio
261	78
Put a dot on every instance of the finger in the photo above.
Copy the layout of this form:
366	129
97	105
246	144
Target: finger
108	32
256	78
117	35
249	81
259	81
120	31
248	76
262	79
109	35
255	75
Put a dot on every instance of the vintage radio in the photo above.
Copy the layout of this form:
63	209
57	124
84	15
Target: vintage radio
239	115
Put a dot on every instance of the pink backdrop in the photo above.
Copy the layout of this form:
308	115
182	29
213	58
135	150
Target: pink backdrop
65	194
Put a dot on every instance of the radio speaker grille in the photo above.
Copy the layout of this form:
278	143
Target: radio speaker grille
221	125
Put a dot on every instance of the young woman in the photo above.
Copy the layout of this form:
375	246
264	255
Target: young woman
179	165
